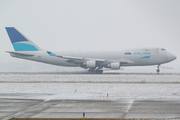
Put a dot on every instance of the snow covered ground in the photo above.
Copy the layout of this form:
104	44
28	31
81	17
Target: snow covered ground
90	86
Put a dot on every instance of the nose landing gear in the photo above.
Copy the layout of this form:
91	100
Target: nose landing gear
158	70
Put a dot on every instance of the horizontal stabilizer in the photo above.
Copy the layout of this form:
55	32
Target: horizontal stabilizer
20	53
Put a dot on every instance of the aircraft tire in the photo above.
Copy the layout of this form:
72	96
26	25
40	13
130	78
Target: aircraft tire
157	70
99	71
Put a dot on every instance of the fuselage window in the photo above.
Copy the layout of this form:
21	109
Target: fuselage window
163	49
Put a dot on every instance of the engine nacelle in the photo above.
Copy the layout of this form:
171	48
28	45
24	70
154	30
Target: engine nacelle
90	64
114	66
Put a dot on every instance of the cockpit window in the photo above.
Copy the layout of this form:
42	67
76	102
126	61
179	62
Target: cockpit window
163	49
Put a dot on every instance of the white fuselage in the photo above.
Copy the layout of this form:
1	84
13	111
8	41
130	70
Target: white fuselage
132	57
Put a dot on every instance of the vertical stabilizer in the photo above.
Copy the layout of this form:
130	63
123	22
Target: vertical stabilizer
20	42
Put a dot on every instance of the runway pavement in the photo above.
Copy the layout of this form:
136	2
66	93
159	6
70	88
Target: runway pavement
22	106
69	96
120	82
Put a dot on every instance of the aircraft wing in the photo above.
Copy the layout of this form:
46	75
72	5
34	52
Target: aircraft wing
81	58
100	62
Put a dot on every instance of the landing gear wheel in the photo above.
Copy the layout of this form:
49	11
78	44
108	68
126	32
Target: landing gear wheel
99	71
95	71
157	70
91	70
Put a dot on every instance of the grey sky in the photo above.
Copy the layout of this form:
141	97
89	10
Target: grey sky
93	24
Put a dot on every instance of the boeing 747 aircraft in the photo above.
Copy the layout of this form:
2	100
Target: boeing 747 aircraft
94	61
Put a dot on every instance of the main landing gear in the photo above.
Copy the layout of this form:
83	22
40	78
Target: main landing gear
158	70
96	70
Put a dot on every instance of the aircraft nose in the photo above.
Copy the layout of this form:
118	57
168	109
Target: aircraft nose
170	56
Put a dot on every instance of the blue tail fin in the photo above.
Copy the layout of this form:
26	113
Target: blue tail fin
20	42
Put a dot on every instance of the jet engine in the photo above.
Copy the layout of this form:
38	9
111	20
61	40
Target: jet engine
90	64
114	66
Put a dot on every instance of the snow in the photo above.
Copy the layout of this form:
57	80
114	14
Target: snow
89	86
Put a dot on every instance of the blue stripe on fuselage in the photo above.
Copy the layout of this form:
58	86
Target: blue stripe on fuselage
147	57
50	53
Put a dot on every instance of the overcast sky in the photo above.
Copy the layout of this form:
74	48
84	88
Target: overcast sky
64	25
